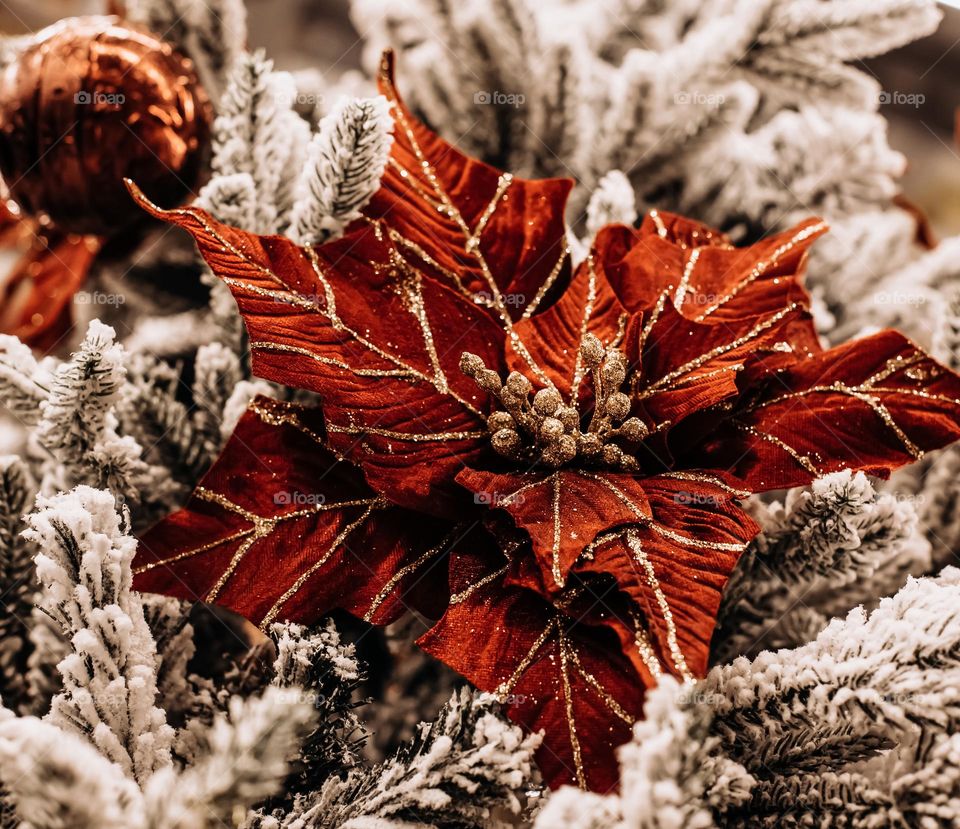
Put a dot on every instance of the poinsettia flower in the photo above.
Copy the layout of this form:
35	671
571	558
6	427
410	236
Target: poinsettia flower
547	462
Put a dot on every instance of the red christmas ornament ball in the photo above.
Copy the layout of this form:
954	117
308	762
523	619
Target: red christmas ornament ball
88	102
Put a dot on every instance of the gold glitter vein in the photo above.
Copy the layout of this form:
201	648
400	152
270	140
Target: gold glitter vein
761	267
404	571
678	297
706	478
547	284
645	648
720	350
619	493
302	579
568	707
285	296
433	263
695	543
241	551
925	395
858	393
504	688
648	326
578	372
268	345
602	692
633	542
473	240
892	366
414	301
463	595
733	368
411	181
284	414
412	437
555	505
143	568
661	227
507	500
804	460
208	495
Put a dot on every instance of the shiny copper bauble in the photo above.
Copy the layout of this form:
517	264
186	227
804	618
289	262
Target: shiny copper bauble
92	100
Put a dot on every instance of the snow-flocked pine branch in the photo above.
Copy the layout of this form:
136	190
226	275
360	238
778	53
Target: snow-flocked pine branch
17	581
612	202
836	706
110	691
458	771
827	549
57	780
245	761
24	381
319	662
345	162
259	145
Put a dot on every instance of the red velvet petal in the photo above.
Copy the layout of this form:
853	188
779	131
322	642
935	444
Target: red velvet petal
279	529
459	206
873	405
553	337
563	511
708	279
675	565
686	366
378	341
562	671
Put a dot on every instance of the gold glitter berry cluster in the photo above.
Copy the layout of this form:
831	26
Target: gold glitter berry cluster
542	428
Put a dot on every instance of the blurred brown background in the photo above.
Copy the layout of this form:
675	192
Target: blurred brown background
920	80
296	33
924	131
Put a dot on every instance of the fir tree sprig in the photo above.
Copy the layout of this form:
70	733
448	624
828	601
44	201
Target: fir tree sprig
345	162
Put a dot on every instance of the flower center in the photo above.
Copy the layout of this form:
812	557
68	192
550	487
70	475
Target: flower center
544	428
